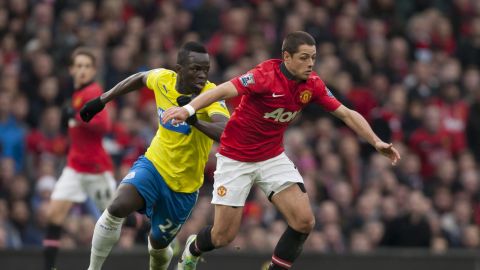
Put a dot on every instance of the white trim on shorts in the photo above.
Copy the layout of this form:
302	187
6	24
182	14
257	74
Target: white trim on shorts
234	179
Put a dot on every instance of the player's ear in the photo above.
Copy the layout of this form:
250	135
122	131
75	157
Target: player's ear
178	68
286	56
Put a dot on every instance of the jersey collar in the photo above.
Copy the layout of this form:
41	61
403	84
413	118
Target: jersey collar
84	85
287	73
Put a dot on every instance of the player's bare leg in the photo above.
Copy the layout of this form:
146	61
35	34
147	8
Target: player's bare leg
57	212
108	227
160	257
294	204
225	227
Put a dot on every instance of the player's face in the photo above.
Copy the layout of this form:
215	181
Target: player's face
300	64
83	71
194	73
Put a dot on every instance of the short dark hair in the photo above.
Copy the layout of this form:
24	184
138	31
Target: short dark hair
191	46
293	40
83	51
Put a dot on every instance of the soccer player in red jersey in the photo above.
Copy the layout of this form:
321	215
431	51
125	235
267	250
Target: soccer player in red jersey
251	148
88	173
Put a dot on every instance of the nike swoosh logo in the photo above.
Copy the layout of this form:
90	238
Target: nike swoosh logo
275	95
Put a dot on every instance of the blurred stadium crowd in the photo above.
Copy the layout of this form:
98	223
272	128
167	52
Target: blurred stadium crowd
410	67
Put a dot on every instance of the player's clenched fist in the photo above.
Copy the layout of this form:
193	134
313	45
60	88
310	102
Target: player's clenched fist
91	108
178	114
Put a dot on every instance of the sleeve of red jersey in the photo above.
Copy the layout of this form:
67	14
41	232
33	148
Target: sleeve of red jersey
324	97
254	81
101	122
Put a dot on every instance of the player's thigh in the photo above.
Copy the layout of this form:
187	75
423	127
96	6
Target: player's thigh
126	201
171	211
58	210
232	181
147	182
100	188
294	204
277	174
283	184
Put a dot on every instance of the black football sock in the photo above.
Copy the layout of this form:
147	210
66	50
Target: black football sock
288	249
203	243
51	243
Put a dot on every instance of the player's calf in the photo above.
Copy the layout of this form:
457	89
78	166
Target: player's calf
106	234
159	258
51	243
288	249
57	213
202	243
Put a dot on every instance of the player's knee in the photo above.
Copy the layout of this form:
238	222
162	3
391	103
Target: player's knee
51	213
55	213
119	208
53	217
304	224
126	201
159	241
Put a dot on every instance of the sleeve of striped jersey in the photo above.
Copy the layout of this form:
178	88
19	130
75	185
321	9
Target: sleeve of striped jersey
153	76
218	107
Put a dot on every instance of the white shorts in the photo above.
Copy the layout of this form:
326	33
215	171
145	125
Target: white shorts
234	179
76	187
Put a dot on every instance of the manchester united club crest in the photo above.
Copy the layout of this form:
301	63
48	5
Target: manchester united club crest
221	191
305	96
77	102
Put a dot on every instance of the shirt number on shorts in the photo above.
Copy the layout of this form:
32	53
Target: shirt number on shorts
169	227
106	196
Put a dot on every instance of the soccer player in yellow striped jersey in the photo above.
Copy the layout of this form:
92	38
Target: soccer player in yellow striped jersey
163	184
179	152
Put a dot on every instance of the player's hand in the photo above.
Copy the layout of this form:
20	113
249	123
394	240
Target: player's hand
91	108
176	114
389	151
184	100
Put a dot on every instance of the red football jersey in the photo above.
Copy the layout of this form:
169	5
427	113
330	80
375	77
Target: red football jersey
271	100
86	153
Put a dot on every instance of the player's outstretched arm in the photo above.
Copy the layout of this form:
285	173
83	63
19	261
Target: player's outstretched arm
179	114
356	122
132	83
94	106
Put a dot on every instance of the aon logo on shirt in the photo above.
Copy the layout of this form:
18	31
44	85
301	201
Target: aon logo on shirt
280	115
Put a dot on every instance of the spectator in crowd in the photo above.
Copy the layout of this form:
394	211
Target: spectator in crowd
411	229
12	135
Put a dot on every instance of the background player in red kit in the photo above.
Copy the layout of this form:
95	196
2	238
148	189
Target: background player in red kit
88	170
251	150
